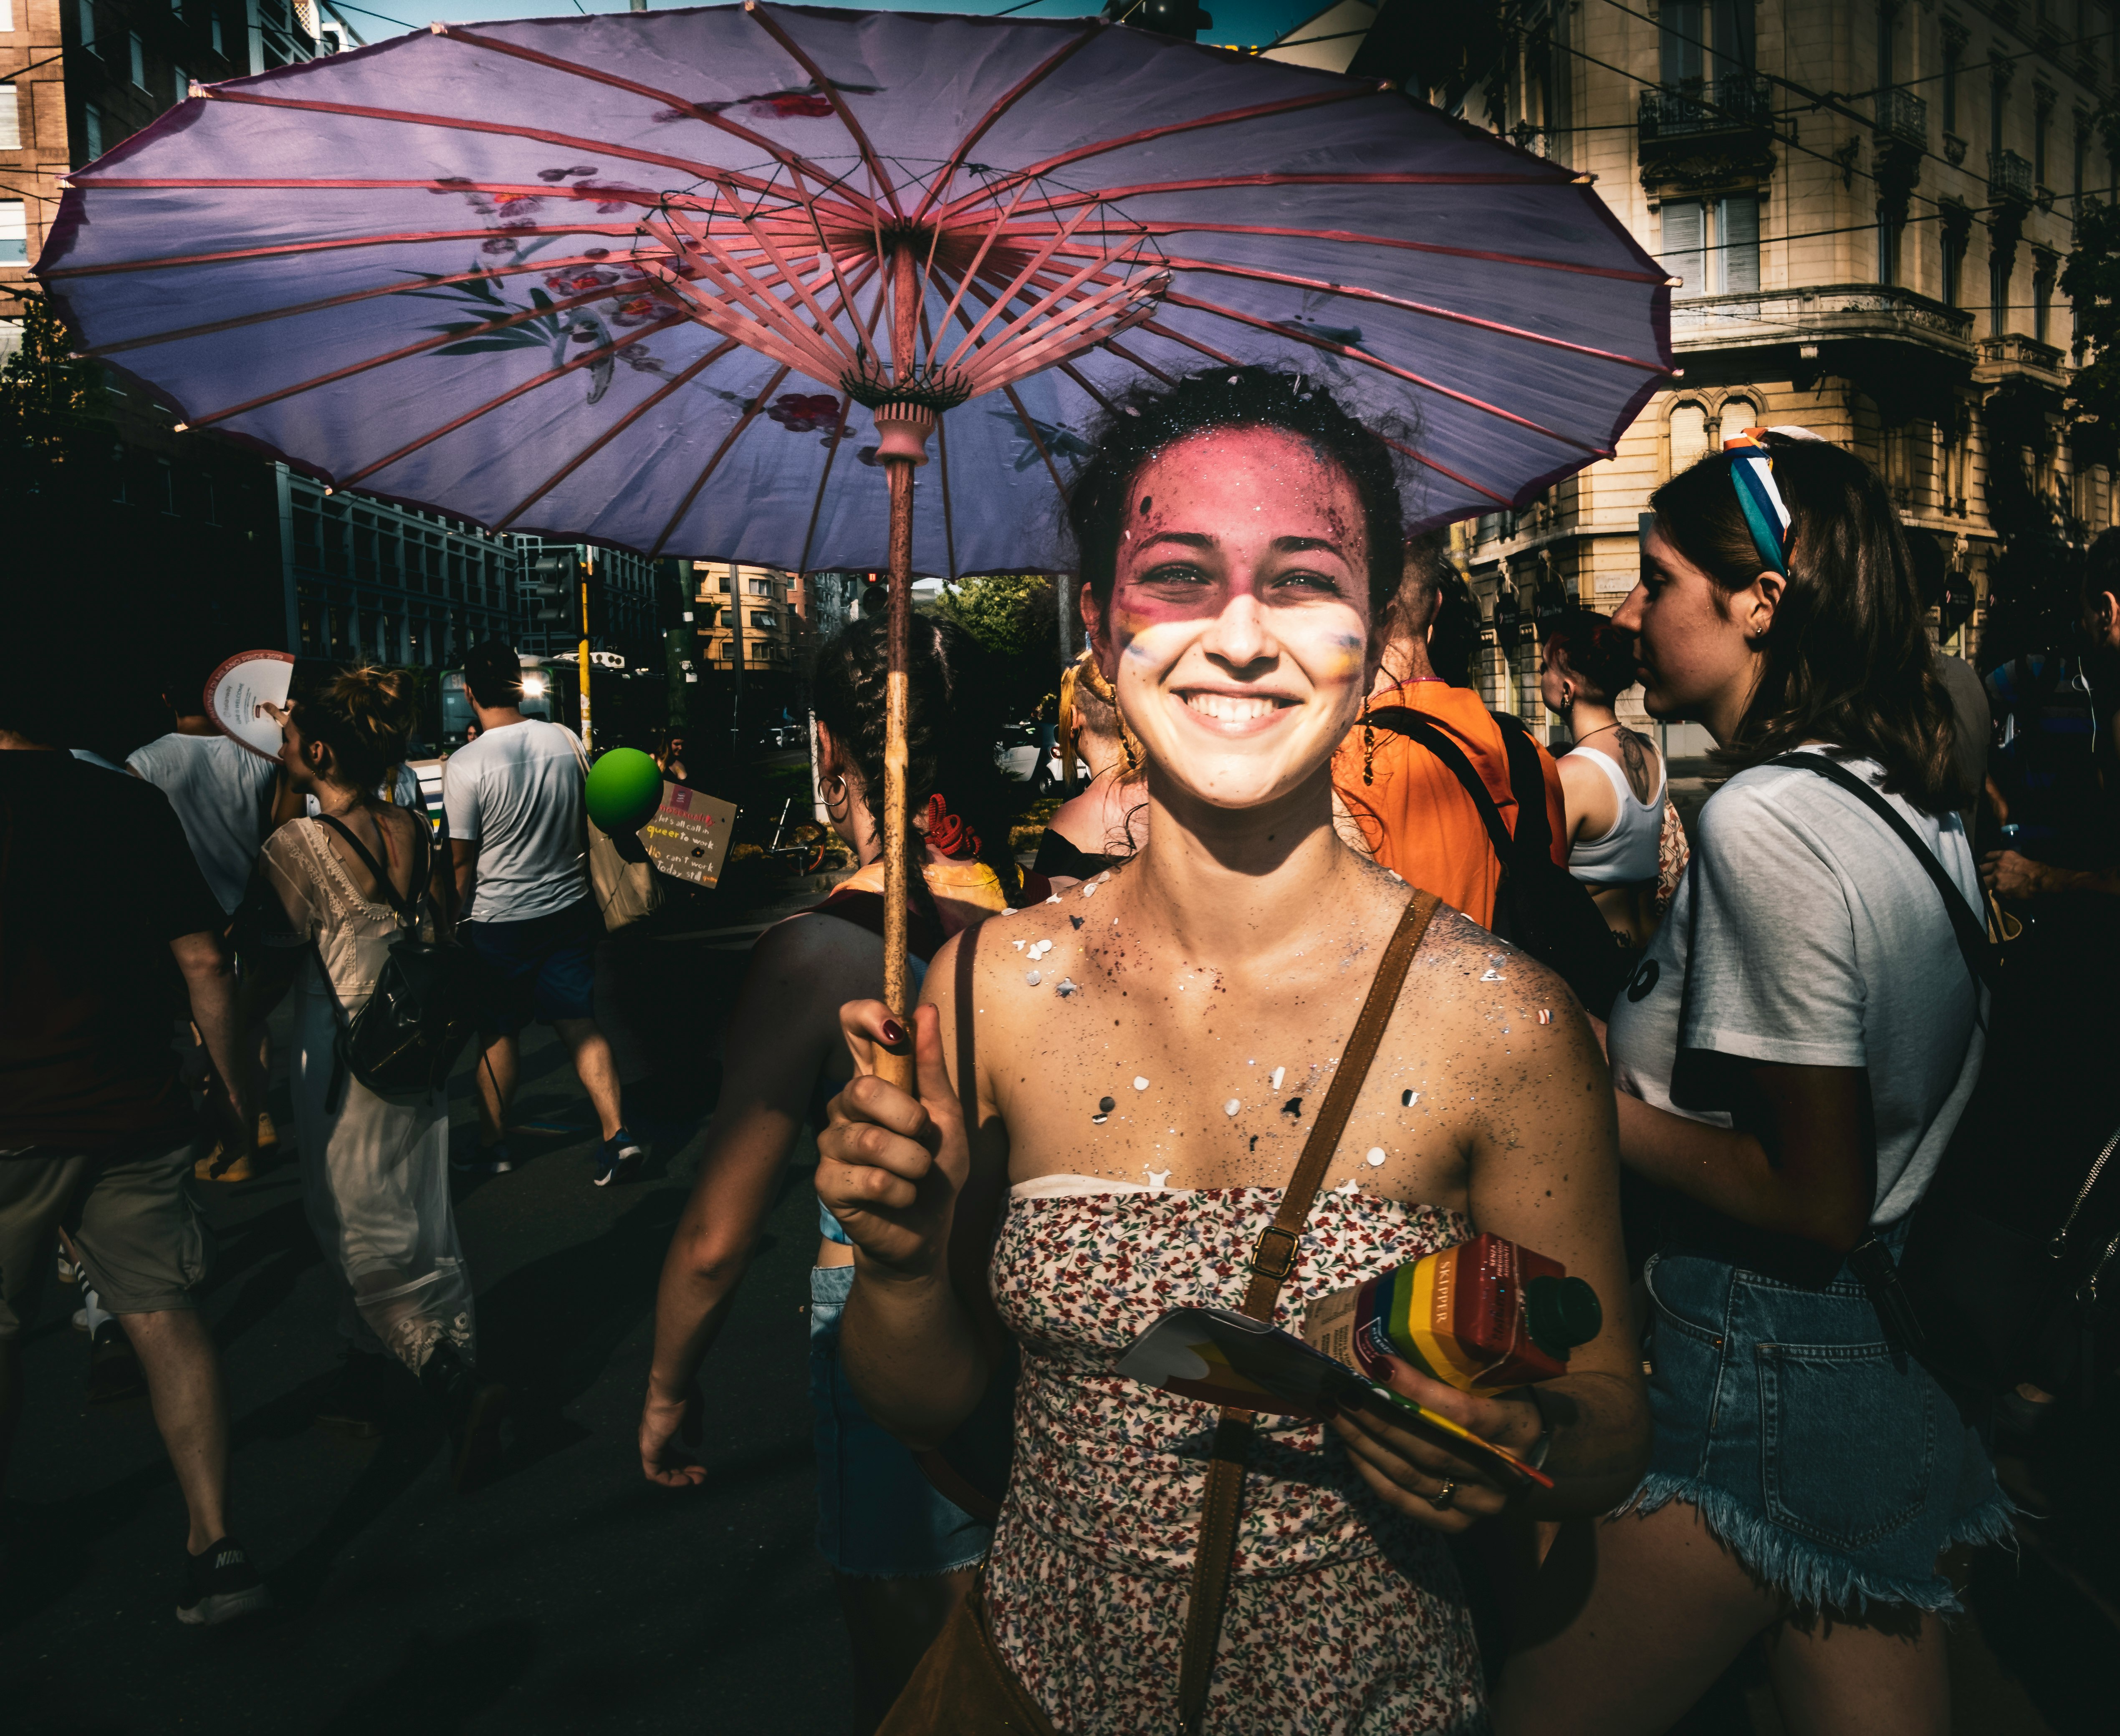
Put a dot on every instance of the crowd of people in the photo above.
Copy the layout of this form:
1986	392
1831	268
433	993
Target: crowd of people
1305	840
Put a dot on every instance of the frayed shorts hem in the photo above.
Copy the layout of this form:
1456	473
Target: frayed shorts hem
1812	1577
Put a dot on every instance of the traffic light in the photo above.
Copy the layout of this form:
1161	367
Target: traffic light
552	592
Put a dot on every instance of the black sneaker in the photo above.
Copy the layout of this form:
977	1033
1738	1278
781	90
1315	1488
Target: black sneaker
617	1159
359	1401
485	1160
113	1367
220	1585
471	1409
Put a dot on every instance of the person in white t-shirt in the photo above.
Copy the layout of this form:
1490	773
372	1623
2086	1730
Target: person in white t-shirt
513	800
1793	1055
223	797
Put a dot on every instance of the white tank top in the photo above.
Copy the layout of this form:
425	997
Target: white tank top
1627	855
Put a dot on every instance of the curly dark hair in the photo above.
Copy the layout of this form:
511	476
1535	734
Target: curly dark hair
1847	659
1455	639
1148	421
1600	655
955	697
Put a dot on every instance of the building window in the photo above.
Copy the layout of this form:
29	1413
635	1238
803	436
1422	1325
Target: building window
1689	436
213	30
88	23
1999	96
1887	243
10	118
14	232
1952	49
91	131
1953	265
182	80
1712	244
1998	297
2042	284
7	15
139	59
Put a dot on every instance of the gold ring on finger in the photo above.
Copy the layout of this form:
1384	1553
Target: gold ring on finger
1446	1498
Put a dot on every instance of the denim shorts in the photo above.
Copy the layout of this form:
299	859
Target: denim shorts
1834	1466
541	968
878	1517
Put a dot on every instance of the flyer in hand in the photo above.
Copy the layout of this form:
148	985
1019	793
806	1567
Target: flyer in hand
1224	1357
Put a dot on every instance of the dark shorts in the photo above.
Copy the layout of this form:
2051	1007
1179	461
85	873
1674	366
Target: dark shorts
543	969
133	1215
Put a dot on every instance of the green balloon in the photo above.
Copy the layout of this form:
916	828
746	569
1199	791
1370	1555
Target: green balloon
624	790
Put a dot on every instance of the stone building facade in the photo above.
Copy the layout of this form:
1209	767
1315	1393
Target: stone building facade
1867	204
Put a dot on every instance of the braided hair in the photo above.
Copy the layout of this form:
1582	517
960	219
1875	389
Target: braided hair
955	696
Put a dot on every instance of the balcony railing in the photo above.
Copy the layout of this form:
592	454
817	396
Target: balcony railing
1904	115
1740	102
2008	176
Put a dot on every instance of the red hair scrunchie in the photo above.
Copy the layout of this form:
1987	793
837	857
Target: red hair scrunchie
947	832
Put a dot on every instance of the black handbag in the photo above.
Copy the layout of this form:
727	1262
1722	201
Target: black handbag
415	1023
1999	1283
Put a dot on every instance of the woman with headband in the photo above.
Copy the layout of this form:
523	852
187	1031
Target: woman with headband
1792	1057
1106	823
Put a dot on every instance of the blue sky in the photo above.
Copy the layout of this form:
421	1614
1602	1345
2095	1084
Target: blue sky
1235	20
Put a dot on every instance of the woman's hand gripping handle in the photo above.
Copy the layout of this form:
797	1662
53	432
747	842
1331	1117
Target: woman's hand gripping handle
892	1160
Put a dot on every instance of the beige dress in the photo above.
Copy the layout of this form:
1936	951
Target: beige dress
375	1169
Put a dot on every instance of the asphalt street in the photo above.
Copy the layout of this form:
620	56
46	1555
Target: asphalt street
567	1594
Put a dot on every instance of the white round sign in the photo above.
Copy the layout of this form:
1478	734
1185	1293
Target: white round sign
238	693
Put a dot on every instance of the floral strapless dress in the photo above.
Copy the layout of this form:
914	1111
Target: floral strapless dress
1343	1619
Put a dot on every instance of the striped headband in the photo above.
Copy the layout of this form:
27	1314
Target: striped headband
1752	475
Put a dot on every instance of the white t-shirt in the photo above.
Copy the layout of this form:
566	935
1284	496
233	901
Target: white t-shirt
516	792
1807	934
218	789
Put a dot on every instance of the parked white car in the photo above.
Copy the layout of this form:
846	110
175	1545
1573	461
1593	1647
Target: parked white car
1019	754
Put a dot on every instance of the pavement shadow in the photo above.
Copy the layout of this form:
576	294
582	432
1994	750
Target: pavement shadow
441	1684
267	1254
549	1327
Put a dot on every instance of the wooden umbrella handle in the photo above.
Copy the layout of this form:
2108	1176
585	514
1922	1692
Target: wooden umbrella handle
899	1069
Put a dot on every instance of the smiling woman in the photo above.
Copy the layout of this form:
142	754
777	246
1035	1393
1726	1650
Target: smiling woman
1134	1107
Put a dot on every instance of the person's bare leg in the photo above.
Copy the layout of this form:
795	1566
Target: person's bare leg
1886	1674
890	1624
1633	1620
594	1066
176	1355
496	1071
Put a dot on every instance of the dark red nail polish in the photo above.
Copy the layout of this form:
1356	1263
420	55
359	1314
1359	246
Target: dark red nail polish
893	1032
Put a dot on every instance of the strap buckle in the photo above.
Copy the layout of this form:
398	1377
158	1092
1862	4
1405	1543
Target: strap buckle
1275	1261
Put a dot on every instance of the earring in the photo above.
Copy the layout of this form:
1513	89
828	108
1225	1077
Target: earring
1368	744
1567	696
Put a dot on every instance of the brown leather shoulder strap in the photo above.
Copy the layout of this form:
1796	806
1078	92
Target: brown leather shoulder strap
1273	1260
1273	1257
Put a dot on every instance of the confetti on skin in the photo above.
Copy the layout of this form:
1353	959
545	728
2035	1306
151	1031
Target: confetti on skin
1375	1157
1054	899
1493	976
1231	1106
1108	1104
1407	1099
1089	887
1139	1083
1100	1119
1067	986
1156	1178
1352	1185
1033	978
1019	945
1292	1106
1274	1082
1078	920
1545	1015
1040	949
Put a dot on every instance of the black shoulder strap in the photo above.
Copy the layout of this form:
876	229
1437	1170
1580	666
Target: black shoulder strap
1534	832
1410	724
1971	934
407	910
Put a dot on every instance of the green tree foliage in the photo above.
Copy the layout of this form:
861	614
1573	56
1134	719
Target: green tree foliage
1012	615
2091	281
50	429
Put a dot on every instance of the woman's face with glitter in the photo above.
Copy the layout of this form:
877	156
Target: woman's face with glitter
1239	633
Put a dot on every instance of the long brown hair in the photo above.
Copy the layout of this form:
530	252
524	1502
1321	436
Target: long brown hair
1848	658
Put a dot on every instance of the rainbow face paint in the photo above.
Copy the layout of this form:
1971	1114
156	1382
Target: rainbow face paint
1483	1317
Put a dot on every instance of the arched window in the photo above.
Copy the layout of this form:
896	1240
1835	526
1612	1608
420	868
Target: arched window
1688	435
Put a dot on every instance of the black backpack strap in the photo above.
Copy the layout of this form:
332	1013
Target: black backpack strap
1402	720
407	910
1971	932
1527	783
